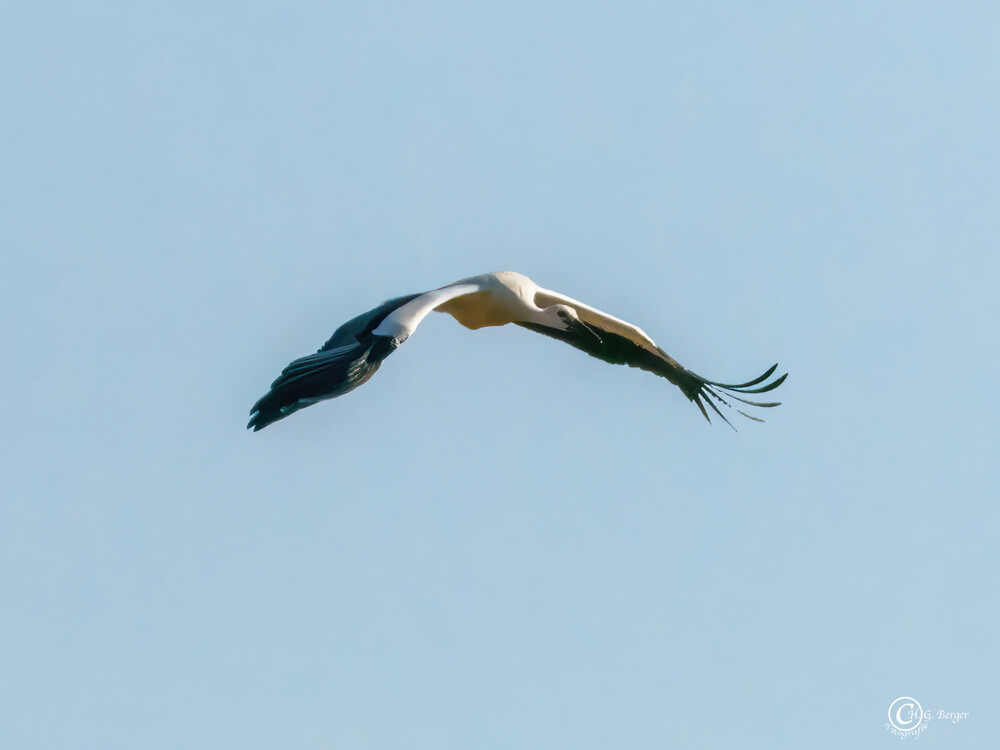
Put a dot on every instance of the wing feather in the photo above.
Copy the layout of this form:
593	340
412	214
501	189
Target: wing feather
617	341
350	357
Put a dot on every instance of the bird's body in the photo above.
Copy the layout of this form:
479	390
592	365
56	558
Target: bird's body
501	299
356	349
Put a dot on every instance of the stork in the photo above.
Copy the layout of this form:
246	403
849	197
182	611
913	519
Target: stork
357	348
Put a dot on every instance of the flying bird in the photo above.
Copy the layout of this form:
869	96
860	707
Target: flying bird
357	348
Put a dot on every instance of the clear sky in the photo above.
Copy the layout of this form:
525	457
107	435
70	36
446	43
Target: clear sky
498	542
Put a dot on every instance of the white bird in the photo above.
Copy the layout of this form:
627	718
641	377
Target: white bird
357	348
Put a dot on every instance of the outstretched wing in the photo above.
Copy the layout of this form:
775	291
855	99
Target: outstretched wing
619	342
350	357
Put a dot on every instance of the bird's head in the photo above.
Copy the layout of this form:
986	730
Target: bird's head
561	315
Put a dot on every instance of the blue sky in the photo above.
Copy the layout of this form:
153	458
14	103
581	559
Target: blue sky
498	541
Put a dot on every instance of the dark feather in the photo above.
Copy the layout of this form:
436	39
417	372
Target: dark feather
318	377
616	349
348	359
749	383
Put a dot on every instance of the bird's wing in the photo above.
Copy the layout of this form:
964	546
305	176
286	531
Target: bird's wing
357	328
619	342
403	321
350	357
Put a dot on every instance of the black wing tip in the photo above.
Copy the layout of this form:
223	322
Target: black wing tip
261	416
317	377
266	410
710	391
748	386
